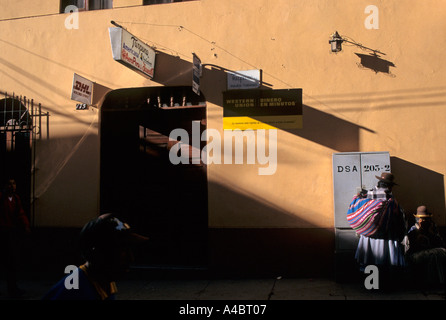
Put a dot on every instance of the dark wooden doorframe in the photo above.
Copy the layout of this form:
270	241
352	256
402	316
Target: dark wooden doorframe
166	202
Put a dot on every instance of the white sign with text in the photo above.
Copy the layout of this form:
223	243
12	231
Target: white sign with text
245	79
82	89
132	52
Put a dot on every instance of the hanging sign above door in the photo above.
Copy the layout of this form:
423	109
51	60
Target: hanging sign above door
245	79
196	74
132	52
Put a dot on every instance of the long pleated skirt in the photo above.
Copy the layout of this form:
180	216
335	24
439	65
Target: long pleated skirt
379	252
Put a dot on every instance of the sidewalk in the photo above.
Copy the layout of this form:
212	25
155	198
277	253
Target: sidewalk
263	289
236	289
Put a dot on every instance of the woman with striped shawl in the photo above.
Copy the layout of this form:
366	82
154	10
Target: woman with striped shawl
381	225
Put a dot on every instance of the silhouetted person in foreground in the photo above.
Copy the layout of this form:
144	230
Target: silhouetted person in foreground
426	255
14	225
106	244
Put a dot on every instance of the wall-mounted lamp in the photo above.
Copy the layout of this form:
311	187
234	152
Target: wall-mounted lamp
336	44
116	25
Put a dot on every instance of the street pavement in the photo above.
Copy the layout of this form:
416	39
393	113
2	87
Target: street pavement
228	298
266	289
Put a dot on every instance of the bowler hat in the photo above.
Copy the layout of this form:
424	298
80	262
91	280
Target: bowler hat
422	212
387	177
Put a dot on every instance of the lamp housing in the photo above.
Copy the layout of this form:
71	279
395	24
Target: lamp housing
336	42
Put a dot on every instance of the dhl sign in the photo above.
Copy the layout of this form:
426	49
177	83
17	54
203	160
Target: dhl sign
82	89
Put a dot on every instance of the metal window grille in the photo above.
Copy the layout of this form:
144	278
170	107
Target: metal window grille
20	127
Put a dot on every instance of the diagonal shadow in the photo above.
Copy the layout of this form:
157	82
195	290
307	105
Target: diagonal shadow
293	252
417	186
318	126
33	88
329	130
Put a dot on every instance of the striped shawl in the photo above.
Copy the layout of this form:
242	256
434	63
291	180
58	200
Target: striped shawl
376	218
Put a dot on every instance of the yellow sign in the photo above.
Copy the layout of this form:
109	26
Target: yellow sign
262	109
263	122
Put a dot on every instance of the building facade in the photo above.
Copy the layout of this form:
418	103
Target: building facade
383	92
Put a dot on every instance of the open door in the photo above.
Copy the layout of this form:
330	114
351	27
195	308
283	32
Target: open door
165	201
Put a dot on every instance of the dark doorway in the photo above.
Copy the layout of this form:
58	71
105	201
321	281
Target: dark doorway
164	201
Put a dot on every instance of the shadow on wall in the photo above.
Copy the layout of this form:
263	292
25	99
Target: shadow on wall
271	252
419	186
375	63
329	131
174	71
248	251
319	127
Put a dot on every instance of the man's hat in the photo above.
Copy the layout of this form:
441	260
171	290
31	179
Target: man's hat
387	177
108	230
422	212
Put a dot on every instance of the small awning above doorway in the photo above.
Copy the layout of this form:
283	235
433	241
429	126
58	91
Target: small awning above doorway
153	97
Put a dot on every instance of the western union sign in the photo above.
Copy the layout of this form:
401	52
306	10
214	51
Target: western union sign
262	109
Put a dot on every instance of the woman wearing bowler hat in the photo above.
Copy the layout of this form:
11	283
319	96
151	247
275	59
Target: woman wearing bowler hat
426	255
384	249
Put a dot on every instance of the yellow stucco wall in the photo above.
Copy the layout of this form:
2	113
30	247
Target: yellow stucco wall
347	107
125	3
27	8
